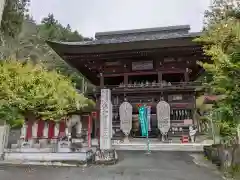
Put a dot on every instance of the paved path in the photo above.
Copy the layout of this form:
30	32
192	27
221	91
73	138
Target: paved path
132	166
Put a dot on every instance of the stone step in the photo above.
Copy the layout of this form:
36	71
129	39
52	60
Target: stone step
161	147
49	157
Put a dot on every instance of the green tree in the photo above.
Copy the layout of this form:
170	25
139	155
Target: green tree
28	90
51	29
24	40
13	16
221	38
29	44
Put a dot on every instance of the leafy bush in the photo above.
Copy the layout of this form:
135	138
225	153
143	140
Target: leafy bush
28	90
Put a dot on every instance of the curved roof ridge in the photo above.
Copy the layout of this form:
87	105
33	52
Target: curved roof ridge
143	30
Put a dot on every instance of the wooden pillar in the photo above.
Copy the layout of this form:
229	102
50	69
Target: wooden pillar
83	85
194	111
40	128
125	79
186	75
97	122
101	81
89	130
51	129
159	76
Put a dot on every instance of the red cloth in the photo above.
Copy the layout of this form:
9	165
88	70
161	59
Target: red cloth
62	127
51	126
185	139
29	130
41	124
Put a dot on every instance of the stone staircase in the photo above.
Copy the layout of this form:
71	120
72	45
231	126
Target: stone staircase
156	145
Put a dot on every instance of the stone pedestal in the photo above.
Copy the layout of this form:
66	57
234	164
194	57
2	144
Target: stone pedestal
107	157
26	145
64	146
126	139
43	143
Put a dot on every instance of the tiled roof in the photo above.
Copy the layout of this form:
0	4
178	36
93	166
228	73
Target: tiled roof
182	28
133	39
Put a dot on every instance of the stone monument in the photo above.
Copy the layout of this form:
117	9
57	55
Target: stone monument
105	119
125	111
106	154
163	117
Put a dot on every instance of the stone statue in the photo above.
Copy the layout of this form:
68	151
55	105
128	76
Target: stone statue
74	120
192	133
154	83
134	84
24	131
147	83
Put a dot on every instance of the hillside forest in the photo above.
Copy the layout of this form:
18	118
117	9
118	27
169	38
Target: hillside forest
24	39
35	81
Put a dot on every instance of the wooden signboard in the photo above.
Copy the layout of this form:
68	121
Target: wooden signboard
142	65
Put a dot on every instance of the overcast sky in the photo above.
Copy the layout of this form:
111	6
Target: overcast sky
90	16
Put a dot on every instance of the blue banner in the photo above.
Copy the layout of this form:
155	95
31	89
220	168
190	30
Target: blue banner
149	118
143	120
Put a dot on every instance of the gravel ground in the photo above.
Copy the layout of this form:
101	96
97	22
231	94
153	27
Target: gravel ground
132	165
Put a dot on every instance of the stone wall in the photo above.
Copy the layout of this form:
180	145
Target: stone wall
13	137
224	157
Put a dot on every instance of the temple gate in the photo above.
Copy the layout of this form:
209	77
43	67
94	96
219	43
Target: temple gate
140	66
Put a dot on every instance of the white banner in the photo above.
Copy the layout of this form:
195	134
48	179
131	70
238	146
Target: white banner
149	117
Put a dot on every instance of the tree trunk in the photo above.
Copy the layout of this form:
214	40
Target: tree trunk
238	134
29	116
2	5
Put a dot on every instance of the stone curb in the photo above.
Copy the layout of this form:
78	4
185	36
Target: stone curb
35	163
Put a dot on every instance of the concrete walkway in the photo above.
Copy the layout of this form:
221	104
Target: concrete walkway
133	165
